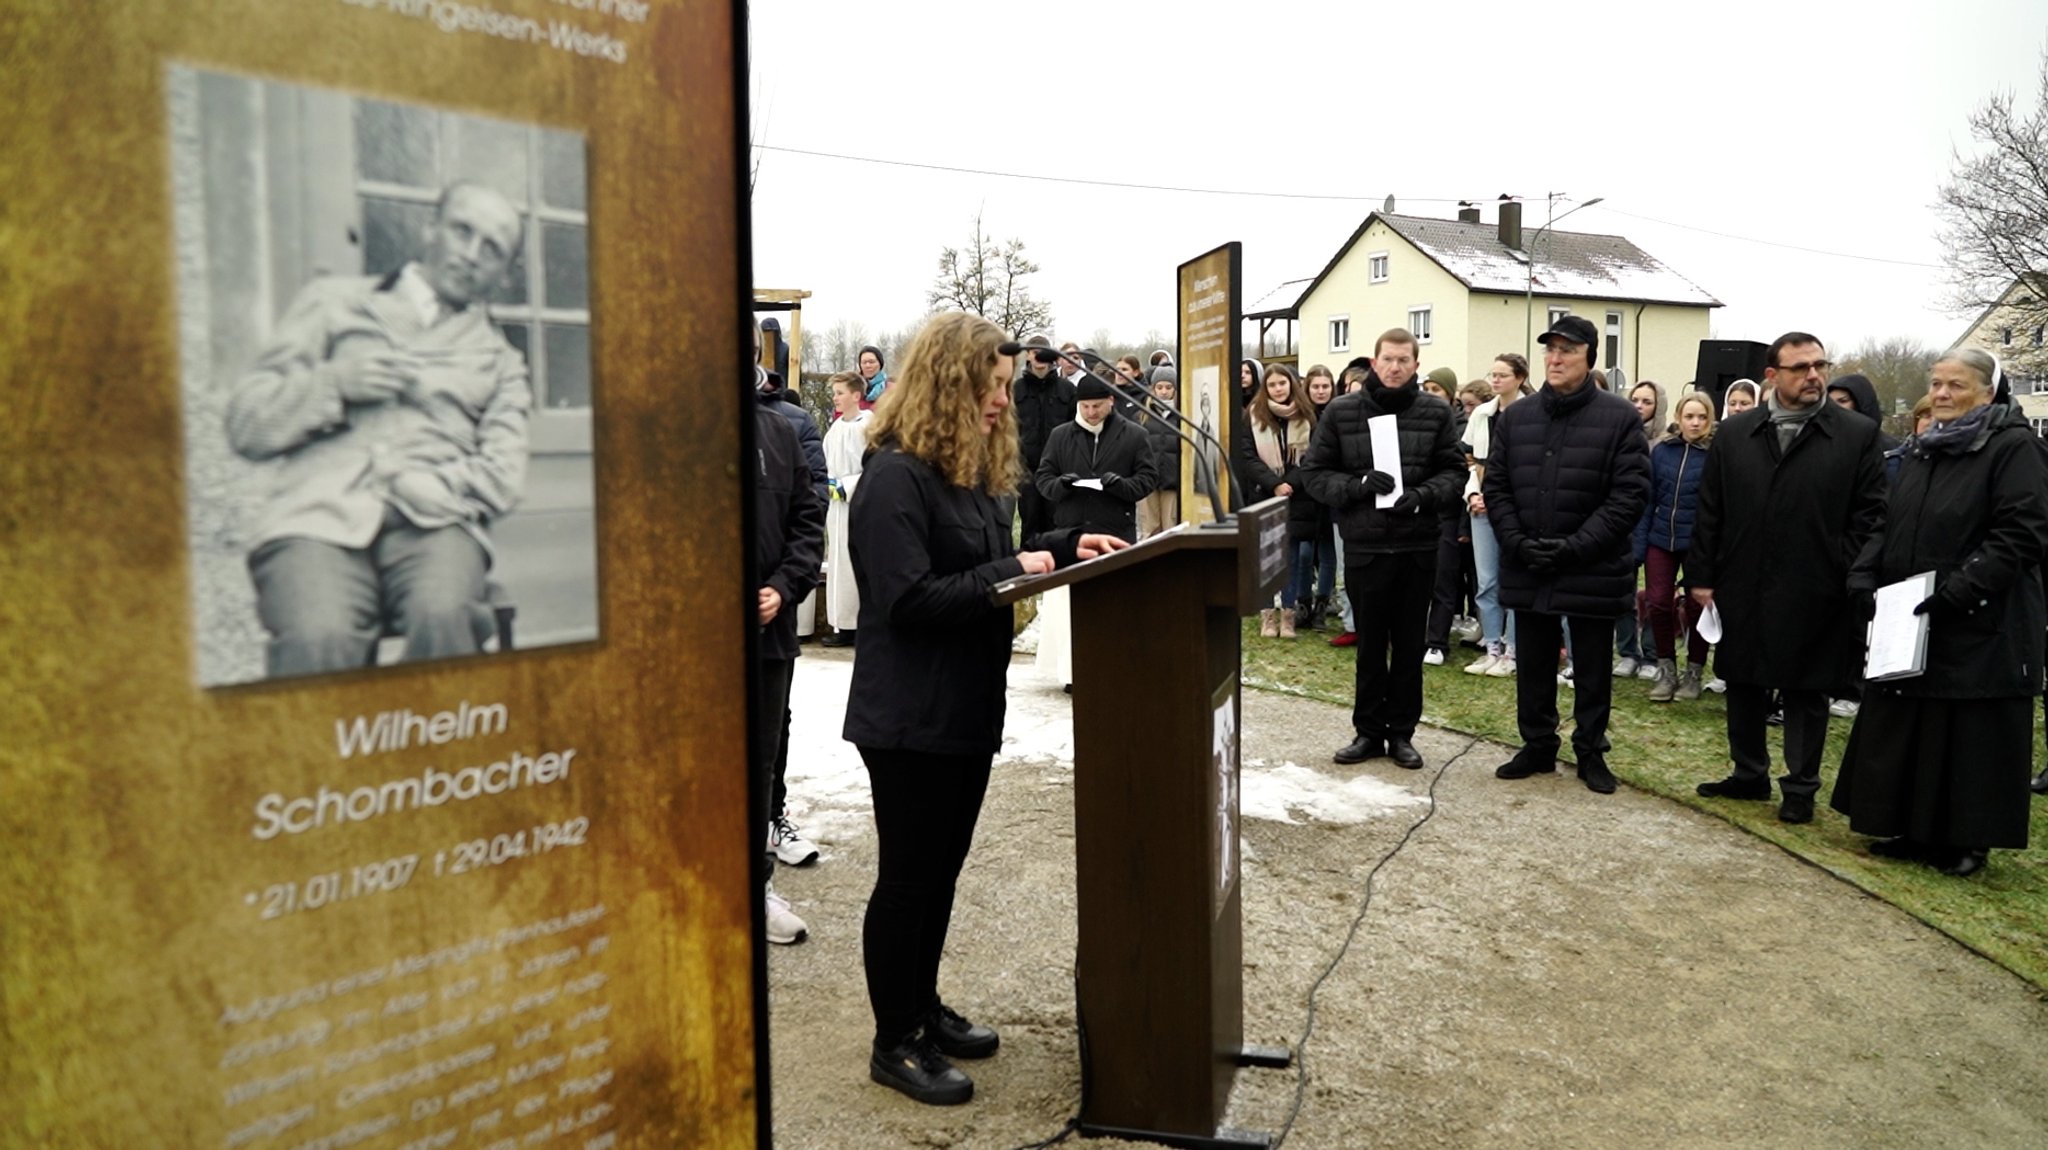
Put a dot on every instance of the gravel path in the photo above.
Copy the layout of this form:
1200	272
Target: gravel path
1539	966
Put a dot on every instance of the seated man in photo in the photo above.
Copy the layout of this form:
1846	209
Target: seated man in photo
396	416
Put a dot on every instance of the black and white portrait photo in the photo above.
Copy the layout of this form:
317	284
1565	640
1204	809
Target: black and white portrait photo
384	315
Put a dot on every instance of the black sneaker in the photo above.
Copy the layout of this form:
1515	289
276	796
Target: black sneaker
1360	749
918	1070
1734	788
1520	767
958	1038
2040	783
1796	809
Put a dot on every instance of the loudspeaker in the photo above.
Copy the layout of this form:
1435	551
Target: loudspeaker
1723	361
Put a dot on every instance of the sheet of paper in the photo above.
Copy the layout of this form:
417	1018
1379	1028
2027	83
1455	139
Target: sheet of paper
1090	484
1898	638
1386	455
1710	623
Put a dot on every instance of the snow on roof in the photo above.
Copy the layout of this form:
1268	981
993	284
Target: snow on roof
1281	298
1567	263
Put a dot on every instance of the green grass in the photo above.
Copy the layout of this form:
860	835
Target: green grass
1668	748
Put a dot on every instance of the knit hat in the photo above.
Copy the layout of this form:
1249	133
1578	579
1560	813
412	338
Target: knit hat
1445	378
1091	387
1163	371
871	349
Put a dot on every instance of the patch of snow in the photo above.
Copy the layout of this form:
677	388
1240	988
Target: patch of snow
1277	794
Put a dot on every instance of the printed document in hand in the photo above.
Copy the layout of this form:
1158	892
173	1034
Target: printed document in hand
1898	638
1386	455
1090	484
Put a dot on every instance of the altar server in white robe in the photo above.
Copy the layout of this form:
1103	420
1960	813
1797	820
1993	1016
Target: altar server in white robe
845	443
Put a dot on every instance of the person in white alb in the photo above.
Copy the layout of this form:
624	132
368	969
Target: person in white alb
845	443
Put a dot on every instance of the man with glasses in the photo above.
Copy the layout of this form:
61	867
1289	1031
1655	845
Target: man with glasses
1792	491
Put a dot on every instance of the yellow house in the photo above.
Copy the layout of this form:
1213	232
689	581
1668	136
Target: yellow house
2012	329
1468	291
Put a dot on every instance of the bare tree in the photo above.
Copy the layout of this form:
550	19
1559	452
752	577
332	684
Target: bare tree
1897	369
987	279
1994	213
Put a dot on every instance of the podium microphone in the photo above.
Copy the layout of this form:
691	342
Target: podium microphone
1175	422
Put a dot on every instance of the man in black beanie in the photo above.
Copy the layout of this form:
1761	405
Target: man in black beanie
1566	479
1096	467
1390	551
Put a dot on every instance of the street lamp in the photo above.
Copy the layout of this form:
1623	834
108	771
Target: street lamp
1529	291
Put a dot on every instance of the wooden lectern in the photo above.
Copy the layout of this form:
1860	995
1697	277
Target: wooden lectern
1159	968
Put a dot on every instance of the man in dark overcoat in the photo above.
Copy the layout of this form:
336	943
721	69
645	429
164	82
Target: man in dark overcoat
1389	552
1792	491
1567	476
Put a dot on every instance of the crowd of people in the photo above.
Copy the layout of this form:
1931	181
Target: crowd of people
1575	535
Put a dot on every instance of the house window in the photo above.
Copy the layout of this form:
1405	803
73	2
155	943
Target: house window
2031	385
2040	427
1611	354
2037	335
1340	333
406	154
1376	267
1557	313
1418	322
2005	337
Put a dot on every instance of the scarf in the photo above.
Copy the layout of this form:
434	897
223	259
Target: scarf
1093	429
1787	421
1281	445
878	384
1954	437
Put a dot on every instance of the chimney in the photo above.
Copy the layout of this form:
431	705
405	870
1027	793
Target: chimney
1468	213
1511	223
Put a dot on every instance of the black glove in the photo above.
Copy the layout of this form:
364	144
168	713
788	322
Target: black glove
1863	602
1109	477
1411	502
1942	602
1542	555
1378	482
1070	478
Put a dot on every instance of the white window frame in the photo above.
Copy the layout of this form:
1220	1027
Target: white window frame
1425	331
1556	312
1611	354
1378	267
1336	343
2040	427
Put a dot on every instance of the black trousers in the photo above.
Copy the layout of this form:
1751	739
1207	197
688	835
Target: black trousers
1389	605
1033	509
1536	641
925	810
1454	583
1806	735
772	751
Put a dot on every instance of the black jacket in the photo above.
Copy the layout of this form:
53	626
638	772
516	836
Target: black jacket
1431	464
1864	394
1165	449
789	527
1122	449
783	402
1978	518
1041	405
1573	468
1773	537
932	654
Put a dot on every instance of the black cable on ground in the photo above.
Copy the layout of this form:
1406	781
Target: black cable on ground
1065	1133
1309	1025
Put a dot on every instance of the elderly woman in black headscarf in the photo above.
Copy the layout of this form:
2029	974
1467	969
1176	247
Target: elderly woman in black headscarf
1937	764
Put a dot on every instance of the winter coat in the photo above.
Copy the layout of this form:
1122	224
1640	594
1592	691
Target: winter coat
1774	536
783	402
1123	449
1041	405
1675	470
1570	467
1431	464
932	654
1864	393
1978	518
1258	481
789	527
1165	448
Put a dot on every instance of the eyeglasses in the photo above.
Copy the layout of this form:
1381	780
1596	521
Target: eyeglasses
1803	368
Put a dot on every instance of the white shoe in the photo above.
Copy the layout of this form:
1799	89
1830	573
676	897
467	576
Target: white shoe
1466	628
1624	667
1564	679
1844	708
784	927
1482	665
1434	657
1717	686
1647	669
788	844
1503	667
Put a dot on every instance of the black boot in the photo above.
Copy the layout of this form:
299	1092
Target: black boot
2041	782
1319	613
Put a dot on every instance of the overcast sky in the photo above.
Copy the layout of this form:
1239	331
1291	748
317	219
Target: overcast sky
1826	126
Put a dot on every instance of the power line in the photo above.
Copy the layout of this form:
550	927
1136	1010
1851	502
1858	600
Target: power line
1092	183
1051	179
1776	244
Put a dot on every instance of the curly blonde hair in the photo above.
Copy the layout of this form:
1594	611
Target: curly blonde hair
932	409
